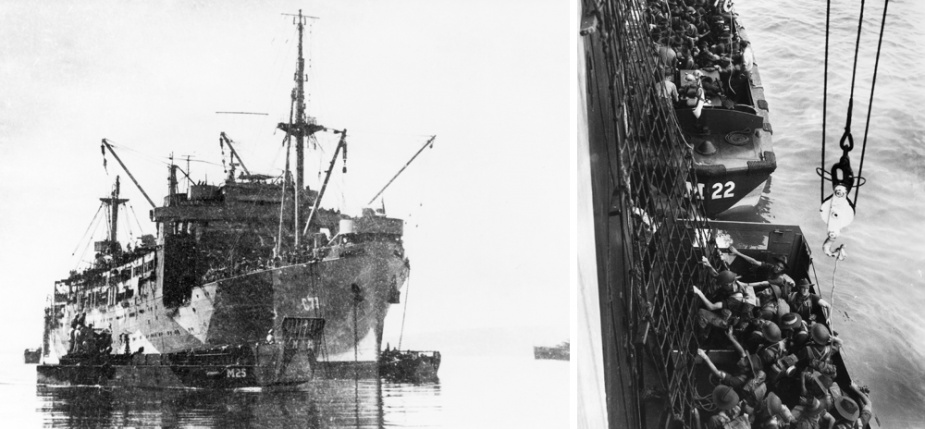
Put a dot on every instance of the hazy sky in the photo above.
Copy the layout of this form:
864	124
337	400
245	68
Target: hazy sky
487	208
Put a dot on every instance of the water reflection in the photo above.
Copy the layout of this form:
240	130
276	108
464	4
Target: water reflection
322	404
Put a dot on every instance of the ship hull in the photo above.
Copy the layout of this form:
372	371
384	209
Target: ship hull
351	290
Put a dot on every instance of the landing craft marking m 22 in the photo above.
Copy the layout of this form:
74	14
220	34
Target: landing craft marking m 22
718	189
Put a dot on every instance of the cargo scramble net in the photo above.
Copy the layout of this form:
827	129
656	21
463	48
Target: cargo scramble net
661	230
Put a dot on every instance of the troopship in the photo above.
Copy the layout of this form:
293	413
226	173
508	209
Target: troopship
234	263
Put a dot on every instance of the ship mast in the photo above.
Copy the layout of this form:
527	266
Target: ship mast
302	128
114	201
300	134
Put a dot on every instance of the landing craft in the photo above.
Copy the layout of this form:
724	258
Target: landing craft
722	111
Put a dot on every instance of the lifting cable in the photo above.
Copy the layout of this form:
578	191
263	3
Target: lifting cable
825	95
92	221
831	313
404	312
870	103
95	226
838	209
128	227
141	230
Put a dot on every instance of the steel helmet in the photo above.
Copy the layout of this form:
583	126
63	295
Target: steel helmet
791	321
726	276
724	397
768	313
781	260
820	334
774	403
771	332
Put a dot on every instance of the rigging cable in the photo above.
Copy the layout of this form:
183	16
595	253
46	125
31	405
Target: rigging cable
95	228
825	94
870	104
404	312
838	210
88	229
128	227
141	230
831	314
832	295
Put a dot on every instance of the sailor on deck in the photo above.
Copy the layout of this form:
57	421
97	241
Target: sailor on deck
697	97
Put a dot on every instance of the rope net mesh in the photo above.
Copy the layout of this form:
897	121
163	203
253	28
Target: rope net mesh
661	229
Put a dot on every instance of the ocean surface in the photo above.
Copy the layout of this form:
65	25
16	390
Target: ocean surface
879	290
473	392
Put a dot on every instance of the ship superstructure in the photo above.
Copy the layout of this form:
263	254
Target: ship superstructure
235	260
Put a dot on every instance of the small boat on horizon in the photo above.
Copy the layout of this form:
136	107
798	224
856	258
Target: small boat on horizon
32	355
558	352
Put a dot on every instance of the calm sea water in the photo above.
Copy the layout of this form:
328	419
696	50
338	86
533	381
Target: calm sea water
880	288
473	392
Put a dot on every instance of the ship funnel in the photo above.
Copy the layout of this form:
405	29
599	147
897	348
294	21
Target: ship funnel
706	148
346	227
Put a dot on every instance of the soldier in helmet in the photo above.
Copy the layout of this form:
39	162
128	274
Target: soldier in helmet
851	414
772	346
818	352
810	414
727	283
733	295
747	367
727	402
775	271
794	331
804	303
771	413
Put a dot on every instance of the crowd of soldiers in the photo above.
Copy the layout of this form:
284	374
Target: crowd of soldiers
245	265
699	35
263	260
785	373
86	341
